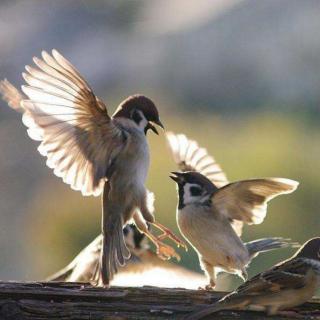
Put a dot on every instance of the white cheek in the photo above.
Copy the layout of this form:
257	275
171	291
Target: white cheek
188	198
143	123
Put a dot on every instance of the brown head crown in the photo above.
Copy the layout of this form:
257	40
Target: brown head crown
193	187
130	107
194	177
310	249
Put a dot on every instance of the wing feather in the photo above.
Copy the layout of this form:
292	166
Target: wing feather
77	135
291	274
11	95
247	200
190	157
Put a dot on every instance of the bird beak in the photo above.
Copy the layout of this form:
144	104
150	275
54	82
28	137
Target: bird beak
152	127
159	123
176	176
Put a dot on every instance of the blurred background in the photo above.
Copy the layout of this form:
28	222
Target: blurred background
241	77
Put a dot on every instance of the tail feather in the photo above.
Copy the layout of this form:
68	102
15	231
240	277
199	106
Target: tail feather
114	249
267	244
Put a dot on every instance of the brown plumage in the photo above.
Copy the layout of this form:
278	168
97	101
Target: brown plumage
90	150
143	268
211	211
286	285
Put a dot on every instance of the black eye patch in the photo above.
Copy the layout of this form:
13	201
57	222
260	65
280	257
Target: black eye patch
136	117
195	191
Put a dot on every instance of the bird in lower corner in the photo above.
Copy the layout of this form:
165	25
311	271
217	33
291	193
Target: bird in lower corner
286	285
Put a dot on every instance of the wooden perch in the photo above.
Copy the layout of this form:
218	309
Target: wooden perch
54	300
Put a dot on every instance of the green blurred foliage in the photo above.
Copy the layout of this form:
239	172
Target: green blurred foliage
257	145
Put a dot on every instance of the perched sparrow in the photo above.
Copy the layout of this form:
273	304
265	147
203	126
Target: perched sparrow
286	285
91	151
143	268
211	211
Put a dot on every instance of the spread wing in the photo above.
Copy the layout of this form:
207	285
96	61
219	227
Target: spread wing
11	95
190	157
247	200
77	135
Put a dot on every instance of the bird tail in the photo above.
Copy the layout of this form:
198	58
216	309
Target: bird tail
266	244
114	250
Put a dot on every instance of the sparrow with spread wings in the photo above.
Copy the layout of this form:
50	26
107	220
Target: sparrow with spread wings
286	285
211	211
92	151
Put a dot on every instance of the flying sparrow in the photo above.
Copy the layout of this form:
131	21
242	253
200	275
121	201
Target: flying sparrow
92	151
211	211
286	285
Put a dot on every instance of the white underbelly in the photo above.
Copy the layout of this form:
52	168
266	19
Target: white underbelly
211	241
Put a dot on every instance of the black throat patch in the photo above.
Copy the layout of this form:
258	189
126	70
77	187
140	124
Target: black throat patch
181	204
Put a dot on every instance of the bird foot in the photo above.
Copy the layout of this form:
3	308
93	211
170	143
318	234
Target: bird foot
167	233
208	287
166	252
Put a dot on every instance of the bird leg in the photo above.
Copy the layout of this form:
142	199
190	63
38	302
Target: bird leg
211	274
167	233
164	251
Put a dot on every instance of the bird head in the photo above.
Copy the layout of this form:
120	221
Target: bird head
135	240
193	188
310	250
142	111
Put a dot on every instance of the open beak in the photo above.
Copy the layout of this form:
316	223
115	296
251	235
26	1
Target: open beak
159	123
176	176
152	127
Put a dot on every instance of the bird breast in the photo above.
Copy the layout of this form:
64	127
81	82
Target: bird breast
212	237
132	165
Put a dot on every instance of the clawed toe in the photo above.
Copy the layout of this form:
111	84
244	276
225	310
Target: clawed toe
166	252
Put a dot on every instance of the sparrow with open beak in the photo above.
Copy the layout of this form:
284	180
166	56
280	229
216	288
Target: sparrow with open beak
92	151
286	285
211	211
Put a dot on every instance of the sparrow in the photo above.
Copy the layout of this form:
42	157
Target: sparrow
90	150
143	268
211	211
286	285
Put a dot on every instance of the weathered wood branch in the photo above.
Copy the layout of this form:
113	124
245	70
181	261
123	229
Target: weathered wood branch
48	300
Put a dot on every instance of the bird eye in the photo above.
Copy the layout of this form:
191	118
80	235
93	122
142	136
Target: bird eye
136	117
195	191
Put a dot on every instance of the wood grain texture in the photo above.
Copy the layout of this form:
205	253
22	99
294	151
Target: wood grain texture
78	301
